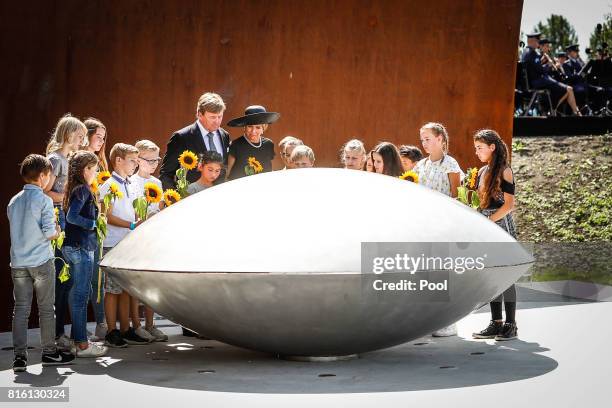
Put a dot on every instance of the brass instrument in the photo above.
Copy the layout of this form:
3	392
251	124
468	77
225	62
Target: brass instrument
554	64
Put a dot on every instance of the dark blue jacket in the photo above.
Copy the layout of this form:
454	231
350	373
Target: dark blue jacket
81	219
532	62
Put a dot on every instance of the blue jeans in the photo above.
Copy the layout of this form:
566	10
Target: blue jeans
98	308
61	289
81	268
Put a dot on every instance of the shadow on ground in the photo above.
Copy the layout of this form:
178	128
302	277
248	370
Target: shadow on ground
195	364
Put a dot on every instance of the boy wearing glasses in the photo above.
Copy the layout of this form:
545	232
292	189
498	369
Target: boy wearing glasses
148	160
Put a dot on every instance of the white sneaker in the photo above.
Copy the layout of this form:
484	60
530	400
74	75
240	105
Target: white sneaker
101	331
144	334
94	350
446	332
64	343
157	334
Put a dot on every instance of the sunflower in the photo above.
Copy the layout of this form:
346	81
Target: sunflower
171	197
94	187
56	212
115	192
102	177
153	193
473	173
188	160
255	165
410	176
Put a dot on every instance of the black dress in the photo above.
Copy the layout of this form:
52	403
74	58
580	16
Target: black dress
241	150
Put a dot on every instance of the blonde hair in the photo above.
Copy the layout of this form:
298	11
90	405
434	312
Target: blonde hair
146	146
121	150
438	129
302	151
352	146
210	102
66	126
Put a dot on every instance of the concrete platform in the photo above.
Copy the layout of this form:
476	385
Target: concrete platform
562	359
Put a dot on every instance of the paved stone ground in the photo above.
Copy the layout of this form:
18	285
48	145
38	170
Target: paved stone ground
562	359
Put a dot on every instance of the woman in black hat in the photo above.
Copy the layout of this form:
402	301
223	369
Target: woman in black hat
251	153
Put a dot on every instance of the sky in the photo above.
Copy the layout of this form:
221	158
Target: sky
582	14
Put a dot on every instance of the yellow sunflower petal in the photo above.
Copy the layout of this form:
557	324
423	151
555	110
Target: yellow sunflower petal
188	160
171	197
410	176
153	193
102	177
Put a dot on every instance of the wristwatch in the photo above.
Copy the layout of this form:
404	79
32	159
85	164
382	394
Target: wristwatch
132	226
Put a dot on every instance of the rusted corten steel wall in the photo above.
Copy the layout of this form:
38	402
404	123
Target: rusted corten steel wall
376	70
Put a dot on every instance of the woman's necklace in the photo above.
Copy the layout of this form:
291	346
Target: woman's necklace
249	142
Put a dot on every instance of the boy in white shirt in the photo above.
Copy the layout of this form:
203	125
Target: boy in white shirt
121	220
148	160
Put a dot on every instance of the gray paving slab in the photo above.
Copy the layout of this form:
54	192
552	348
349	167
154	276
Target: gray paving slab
559	360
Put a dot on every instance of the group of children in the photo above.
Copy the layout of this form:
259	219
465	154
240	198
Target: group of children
58	196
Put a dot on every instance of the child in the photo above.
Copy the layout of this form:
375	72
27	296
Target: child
369	165
80	245
96	143
148	159
353	155
67	137
495	186
32	226
440	172
285	147
386	159
302	157
209	167
410	156
121	220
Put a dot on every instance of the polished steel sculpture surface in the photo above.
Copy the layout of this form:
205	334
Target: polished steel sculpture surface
273	262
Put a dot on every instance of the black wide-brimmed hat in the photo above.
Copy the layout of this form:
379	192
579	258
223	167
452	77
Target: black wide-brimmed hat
254	115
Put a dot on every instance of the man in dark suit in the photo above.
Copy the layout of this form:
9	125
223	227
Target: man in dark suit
204	135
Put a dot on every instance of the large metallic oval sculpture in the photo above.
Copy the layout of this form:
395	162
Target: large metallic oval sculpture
272	262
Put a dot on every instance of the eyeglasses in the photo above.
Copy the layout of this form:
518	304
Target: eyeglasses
151	161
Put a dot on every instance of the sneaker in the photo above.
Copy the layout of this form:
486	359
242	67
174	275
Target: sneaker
20	363
101	332
140	331
57	358
446	332
131	337
114	339
94	350
157	334
508	332
492	330
63	342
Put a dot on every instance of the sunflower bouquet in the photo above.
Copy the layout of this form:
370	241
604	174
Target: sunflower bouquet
64	274
188	161
466	192
410	176
253	167
113	194
59	241
152	195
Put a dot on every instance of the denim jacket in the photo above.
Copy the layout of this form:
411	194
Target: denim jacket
81	219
